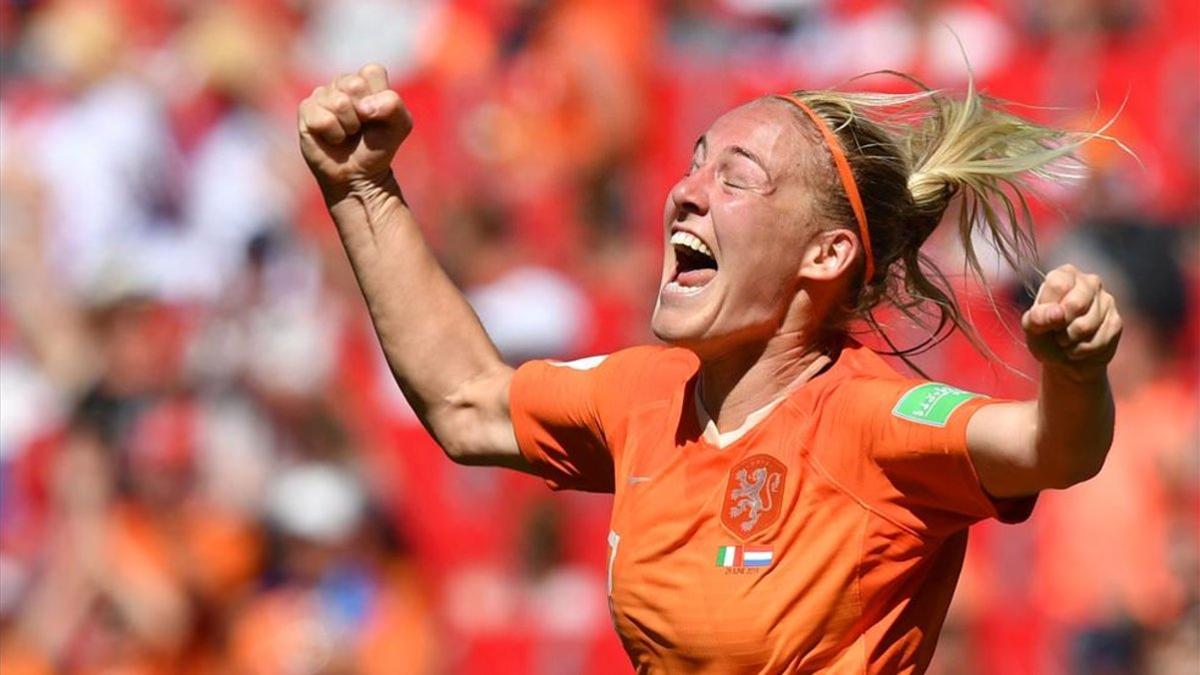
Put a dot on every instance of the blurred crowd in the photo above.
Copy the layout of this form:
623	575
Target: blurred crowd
205	466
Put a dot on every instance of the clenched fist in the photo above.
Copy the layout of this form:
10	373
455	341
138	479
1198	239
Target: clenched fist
351	128
1073	321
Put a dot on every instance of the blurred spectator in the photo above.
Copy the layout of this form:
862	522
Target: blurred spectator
345	600
1135	515
541	618
103	154
206	467
527	309
240	179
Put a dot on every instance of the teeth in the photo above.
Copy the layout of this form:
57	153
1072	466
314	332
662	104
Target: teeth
691	241
679	289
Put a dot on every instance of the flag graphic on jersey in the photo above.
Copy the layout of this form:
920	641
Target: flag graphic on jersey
744	556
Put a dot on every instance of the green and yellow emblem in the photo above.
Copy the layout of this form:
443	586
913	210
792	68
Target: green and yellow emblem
931	403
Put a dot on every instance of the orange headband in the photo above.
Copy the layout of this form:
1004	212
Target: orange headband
843	167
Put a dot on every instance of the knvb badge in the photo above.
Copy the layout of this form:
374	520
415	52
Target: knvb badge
743	557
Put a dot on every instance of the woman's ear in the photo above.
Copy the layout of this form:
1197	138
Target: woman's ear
828	255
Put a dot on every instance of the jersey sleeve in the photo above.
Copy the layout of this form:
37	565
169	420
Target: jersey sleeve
567	417
915	433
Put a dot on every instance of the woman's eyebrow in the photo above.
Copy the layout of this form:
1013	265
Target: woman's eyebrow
739	150
748	154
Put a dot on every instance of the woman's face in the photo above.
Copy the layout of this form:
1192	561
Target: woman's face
745	204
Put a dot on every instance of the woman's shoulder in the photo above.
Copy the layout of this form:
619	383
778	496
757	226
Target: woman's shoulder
640	359
631	380
865	384
659	357
634	373
656	370
876	391
861	363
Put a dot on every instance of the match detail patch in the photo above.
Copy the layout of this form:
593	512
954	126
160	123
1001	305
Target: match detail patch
931	403
744	556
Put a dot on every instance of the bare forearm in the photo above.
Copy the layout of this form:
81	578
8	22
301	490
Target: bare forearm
445	364
1062	438
1055	441
433	341
1076	415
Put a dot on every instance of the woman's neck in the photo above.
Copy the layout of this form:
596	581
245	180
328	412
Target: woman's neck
735	384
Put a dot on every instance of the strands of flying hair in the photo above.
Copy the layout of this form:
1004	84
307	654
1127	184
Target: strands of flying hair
917	156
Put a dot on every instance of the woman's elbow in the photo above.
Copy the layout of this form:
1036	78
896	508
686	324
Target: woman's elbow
472	423
1082	467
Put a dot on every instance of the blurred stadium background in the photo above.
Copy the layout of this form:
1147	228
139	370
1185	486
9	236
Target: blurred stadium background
204	464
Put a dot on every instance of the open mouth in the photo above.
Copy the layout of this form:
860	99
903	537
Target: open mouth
695	264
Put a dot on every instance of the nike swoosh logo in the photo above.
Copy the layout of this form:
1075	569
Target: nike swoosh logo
634	480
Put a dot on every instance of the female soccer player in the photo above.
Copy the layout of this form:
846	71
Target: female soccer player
784	500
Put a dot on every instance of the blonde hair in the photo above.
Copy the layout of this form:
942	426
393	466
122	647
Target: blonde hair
912	156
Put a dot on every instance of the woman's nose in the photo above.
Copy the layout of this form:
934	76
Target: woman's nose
689	196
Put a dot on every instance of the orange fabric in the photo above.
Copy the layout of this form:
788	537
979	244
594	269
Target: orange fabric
290	630
216	551
866	521
17	657
847	177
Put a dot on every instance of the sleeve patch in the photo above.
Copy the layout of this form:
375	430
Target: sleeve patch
586	363
931	403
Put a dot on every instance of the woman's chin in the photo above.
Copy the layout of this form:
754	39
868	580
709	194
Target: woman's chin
675	327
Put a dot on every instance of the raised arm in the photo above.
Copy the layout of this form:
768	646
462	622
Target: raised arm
1063	437
444	362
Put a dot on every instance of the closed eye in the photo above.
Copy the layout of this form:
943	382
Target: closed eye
737	178
742	170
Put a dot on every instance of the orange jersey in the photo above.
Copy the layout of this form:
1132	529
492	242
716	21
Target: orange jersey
828	538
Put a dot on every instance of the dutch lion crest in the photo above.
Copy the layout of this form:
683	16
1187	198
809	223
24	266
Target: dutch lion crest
752	494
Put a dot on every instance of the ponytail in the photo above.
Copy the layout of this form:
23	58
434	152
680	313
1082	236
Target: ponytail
914	156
